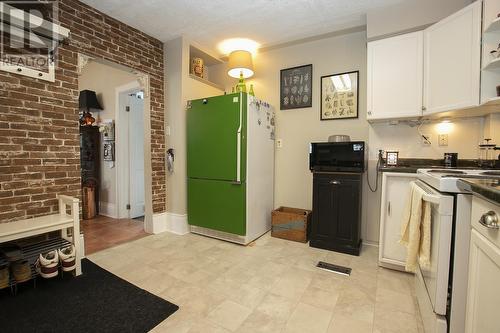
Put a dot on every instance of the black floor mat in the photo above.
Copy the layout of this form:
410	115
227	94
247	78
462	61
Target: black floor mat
96	301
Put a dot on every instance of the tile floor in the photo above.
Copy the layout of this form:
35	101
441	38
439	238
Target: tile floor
104	232
269	286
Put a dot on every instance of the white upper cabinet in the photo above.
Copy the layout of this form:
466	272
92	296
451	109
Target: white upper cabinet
395	77
452	58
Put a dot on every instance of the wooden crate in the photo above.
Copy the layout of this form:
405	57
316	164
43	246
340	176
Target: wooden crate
291	223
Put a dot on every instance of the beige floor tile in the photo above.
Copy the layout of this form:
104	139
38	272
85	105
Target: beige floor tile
229	315
278	307
394	321
396	281
355	303
341	324
392	300
292	283
204	326
259	322
307	318
320	298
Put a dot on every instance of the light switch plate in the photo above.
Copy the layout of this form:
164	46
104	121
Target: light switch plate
427	142
279	143
443	139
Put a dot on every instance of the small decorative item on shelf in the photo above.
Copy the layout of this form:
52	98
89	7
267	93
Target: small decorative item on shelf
251	91
391	158
197	67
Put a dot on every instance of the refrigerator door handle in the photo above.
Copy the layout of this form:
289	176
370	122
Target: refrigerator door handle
238	143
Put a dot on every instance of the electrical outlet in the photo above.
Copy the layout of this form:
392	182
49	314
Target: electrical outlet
426	139
279	143
167	130
443	139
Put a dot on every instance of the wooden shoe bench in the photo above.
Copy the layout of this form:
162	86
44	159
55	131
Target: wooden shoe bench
67	220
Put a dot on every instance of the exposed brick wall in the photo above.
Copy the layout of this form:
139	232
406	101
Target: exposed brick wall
39	134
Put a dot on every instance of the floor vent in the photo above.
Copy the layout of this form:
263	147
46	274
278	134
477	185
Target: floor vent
334	268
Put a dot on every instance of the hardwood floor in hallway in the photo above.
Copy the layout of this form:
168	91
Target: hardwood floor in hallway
104	232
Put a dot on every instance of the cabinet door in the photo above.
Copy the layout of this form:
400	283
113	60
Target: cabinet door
395	77
483	293
452	61
336	210
395	192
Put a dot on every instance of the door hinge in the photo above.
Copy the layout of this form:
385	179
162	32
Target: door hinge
128	206
127	108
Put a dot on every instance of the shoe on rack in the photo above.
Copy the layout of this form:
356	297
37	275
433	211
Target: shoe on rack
4	276
21	270
47	264
68	258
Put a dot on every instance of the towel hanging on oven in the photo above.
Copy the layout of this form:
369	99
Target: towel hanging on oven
416	229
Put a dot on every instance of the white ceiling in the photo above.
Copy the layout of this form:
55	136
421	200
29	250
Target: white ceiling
269	22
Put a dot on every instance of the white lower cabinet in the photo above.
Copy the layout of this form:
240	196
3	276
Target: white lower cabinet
483	293
395	192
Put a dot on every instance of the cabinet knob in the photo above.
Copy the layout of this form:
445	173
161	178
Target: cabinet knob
489	220
334	182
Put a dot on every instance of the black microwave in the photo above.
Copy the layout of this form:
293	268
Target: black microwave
337	156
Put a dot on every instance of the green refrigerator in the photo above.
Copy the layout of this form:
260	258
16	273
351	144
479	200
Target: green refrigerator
230	166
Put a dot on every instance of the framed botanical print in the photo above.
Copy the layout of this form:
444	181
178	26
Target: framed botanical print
296	87
339	96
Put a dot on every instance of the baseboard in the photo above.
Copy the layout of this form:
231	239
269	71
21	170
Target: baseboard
370	243
108	209
177	223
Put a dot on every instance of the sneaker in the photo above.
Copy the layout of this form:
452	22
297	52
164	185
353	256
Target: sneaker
67	257
4	276
21	271
47	264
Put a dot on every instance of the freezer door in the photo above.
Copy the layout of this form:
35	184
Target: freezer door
216	141
217	205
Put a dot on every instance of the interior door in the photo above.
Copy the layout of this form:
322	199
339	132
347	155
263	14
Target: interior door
216	138
136	156
395	76
452	61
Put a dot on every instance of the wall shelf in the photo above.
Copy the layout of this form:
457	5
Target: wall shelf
210	83
493	26
492	65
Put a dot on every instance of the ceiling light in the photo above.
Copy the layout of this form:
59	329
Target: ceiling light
240	63
229	45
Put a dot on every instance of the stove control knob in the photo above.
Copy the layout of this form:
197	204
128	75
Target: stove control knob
489	220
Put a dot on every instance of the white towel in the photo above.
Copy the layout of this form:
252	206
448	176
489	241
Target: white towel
416	229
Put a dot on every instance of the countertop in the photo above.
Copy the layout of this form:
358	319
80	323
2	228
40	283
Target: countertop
488	188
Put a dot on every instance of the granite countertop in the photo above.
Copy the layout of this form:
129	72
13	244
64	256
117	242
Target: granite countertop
411	165
488	188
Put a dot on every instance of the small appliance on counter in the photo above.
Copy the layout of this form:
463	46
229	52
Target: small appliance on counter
338	169
450	160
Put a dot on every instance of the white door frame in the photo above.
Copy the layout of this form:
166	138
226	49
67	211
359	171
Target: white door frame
121	145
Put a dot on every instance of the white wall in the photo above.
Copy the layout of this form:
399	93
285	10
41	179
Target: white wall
104	79
179	89
464	138
409	15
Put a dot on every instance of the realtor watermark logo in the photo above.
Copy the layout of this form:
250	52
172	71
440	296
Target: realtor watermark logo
27	36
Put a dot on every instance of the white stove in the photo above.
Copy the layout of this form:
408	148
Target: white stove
445	180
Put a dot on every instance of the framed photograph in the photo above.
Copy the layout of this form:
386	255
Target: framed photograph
296	87
339	96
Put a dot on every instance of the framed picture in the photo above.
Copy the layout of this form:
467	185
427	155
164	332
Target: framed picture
296	87
339	96
391	158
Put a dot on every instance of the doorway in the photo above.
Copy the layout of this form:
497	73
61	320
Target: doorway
120	149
